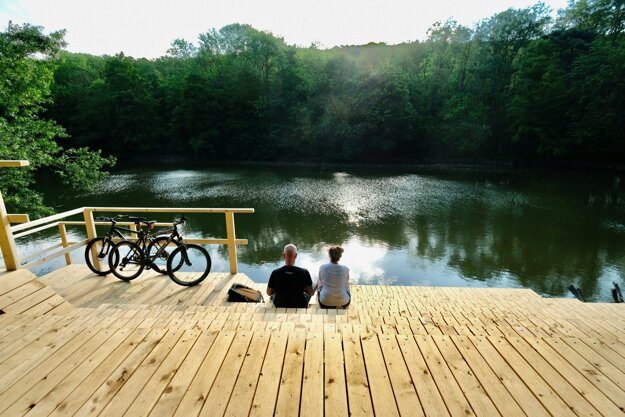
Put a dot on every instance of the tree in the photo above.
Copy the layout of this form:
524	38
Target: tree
27	60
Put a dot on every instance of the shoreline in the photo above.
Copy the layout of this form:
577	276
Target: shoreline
433	166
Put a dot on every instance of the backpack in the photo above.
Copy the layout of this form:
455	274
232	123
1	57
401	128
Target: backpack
241	294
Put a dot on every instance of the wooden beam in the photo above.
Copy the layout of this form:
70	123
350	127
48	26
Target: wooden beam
232	245
55	254
7	242
4	163
18	218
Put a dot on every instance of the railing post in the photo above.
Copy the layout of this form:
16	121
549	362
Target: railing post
232	245
63	233
91	234
7	242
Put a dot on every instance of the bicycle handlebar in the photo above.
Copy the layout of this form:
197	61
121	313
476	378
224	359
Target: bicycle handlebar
110	219
181	220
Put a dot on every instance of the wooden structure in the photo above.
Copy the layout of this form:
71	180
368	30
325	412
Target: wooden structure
26	227
76	344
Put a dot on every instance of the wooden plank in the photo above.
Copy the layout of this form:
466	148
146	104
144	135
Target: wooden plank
142	374
334	377
71	403
451	393
19	293
356	377
313	380
403	386
119	344
195	396
153	389
600	392
532	378
473	390
601	357
175	390
103	394
217	400
379	382
289	393
264	402
245	387
495	388
430	398
25	335
14	280
17	387
35	392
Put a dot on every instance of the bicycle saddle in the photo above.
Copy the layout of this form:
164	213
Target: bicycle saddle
136	219
149	224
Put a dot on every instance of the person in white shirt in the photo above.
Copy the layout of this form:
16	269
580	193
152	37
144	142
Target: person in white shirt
333	282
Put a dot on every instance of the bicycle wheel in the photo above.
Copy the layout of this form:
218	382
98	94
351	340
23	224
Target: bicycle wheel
99	248
126	260
159	263
193	262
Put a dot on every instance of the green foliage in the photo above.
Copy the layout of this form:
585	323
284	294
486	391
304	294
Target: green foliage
27	61
518	87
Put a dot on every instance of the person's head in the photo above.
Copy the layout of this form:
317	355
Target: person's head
335	253
290	254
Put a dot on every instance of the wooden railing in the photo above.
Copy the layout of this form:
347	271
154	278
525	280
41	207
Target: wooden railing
25	227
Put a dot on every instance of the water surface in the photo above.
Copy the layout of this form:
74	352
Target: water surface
541	230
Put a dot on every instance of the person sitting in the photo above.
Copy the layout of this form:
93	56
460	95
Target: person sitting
290	286
333	282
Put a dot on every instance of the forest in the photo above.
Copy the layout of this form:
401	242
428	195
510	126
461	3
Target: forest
519	87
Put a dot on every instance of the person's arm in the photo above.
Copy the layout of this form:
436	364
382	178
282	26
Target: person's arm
319	282
270	289
308	289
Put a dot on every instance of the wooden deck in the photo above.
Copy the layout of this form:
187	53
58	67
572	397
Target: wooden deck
75	344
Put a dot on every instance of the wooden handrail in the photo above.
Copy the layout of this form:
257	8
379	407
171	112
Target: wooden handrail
30	227
4	163
169	210
48	219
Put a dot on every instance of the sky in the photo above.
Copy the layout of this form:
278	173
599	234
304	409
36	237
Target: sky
146	28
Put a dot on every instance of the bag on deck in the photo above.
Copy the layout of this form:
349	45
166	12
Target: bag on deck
242	294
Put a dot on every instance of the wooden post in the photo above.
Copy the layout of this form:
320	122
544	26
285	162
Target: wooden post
91	234
7	242
232	245
63	233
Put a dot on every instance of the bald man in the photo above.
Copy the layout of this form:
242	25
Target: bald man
290	285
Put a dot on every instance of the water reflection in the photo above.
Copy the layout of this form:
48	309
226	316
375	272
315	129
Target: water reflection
539	230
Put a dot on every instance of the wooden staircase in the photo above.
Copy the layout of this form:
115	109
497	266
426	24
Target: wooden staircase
72	343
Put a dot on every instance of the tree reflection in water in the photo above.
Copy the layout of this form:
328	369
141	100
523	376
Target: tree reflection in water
540	230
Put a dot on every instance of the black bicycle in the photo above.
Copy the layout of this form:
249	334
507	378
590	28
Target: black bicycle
101	247
187	264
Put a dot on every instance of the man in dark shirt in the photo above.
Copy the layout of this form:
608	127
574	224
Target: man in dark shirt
290	285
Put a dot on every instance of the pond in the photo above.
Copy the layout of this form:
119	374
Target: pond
540	229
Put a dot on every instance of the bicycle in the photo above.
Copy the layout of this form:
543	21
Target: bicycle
187	264
101	246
